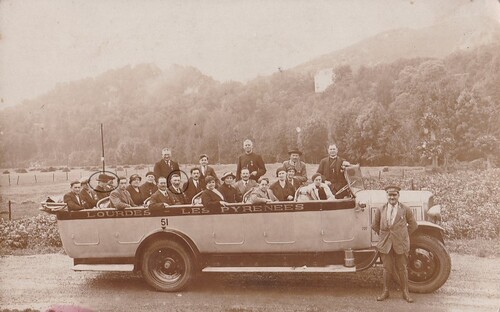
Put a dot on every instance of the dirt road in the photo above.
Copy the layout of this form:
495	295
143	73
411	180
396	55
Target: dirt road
42	281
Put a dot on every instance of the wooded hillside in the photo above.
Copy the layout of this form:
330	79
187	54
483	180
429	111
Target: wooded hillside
388	114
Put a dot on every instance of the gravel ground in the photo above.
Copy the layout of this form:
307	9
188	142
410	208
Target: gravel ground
43	281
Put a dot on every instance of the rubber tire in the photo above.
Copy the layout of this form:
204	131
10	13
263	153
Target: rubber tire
148	271
442	260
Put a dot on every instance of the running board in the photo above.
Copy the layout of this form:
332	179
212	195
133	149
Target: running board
104	267
325	269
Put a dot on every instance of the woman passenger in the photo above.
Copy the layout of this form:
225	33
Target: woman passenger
319	190
211	195
134	190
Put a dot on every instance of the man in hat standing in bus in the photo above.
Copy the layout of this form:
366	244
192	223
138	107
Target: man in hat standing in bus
394	223
297	164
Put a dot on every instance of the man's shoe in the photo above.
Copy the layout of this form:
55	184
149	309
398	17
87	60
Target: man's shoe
384	295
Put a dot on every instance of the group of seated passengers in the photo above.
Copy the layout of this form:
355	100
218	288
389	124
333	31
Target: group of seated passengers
134	195
203	179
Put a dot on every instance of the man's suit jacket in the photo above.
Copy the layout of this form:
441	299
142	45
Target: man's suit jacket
161	169
257	196
396	235
209	197
230	193
158	199
240	185
72	202
148	189
102	192
190	189
282	193
253	162
331	170
121	199
89	198
209	172
179	198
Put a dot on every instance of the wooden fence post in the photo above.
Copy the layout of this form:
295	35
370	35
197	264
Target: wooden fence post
66	176
9	179
35	179
17	180
10	211
53	177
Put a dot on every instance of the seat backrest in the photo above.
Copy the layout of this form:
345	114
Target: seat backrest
246	196
146	202
196	199
302	194
103	203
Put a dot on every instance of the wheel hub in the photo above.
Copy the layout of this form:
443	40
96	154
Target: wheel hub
422	265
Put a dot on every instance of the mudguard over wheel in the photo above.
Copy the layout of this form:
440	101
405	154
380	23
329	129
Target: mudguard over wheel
167	265
429	264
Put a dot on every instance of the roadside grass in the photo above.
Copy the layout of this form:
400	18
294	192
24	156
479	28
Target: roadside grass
484	248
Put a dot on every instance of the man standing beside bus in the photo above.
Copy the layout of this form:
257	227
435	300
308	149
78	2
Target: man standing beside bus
394	223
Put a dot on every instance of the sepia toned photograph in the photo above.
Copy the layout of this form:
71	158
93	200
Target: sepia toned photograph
248	156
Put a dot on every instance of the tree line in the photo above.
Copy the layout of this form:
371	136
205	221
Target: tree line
408	112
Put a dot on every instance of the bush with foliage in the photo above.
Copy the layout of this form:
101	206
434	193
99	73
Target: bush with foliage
469	199
36	231
21	170
6	172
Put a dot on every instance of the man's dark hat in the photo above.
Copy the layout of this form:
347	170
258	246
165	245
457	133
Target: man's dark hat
104	178
392	189
294	151
149	173
227	174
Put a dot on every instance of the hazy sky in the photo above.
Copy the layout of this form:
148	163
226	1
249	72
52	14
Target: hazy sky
44	42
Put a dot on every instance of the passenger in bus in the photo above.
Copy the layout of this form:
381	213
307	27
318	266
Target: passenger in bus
149	187
87	194
166	166
194	185
161	198
134	190
319	190
103	189
211	195
72	199
230	193
295	163
253	162
261	194
282	189
245	184
176	192
290	178
120	198
206	170
332	170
